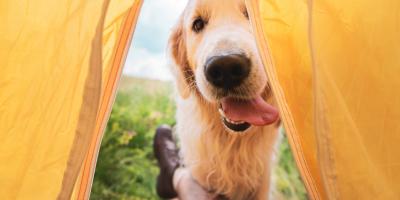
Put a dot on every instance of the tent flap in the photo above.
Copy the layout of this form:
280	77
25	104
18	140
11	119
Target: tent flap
58	67
333	67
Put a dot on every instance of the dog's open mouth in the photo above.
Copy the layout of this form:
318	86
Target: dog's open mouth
239	126
240	115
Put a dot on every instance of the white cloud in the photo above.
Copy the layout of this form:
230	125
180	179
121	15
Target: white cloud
145	64
146	57
165	10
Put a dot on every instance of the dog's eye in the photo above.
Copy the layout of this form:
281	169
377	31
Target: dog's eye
198	25
246	14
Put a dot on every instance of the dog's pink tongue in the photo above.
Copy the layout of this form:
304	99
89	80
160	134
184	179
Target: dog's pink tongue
254	111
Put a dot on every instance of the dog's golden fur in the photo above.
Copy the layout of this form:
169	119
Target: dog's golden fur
235	165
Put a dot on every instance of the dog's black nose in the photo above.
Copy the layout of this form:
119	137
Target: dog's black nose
227	71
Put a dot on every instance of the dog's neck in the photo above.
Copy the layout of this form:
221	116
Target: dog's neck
236	165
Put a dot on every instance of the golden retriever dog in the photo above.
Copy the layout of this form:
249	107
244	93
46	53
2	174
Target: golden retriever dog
226	116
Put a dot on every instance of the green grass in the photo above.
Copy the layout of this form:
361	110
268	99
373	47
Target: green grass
126	168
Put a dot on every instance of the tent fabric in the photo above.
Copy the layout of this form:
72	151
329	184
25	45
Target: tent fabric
281	32
119	31
333	67
60	63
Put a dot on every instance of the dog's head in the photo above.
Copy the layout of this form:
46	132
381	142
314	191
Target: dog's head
216	56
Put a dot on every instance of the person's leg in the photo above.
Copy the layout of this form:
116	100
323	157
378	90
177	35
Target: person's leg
172	181
166	152
187	188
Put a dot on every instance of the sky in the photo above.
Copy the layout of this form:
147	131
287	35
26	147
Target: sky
147	54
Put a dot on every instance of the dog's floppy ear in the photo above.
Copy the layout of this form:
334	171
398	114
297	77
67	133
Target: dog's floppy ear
182	70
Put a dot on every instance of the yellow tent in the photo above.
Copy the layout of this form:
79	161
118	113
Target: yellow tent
60	64
333	67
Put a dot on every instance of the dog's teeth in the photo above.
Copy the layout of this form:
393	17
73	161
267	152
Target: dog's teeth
238	122
234	122
222	113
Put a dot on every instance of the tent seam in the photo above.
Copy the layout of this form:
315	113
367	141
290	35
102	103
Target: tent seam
331	190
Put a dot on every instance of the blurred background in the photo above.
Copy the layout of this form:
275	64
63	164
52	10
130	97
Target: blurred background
126	168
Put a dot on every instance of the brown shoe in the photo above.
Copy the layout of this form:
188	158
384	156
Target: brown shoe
166	152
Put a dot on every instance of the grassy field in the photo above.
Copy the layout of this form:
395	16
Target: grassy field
126	168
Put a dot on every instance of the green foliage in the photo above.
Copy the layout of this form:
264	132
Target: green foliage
286	177
126	168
